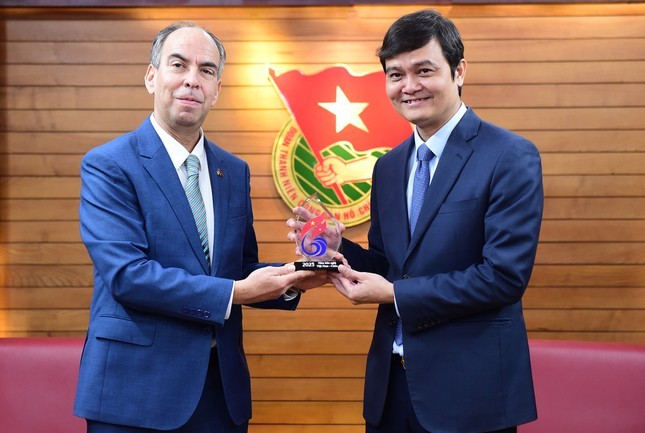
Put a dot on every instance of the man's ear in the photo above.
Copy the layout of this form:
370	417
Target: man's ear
149	79
460	74
219	88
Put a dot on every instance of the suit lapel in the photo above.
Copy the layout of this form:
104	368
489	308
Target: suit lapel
394	194
159	165
220	190
452	162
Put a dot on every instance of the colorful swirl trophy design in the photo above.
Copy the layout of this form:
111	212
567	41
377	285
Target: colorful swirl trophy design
319	237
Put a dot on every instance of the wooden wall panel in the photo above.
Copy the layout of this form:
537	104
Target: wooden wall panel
570	77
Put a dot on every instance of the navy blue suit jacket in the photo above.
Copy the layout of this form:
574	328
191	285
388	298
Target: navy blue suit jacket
156	307
458	281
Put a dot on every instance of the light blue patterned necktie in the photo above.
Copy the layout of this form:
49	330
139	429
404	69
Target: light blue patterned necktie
197	203
421	182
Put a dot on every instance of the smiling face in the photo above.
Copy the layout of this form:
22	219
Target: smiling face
185	85
422	89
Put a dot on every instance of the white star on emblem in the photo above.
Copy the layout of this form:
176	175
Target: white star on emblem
347	113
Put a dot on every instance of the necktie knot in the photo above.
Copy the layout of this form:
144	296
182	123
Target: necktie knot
424	154
192	165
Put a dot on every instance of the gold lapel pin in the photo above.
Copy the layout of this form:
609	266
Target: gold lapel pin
220	173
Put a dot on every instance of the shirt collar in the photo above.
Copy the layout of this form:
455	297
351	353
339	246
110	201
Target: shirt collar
175	149
438	141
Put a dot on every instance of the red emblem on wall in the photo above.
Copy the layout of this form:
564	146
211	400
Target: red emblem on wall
340	124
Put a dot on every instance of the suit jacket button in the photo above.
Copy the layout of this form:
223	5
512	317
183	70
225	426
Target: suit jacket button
393	323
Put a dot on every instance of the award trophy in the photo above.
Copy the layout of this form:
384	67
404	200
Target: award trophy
318	236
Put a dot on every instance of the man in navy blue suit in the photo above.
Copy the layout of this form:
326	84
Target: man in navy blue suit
448	266
164	345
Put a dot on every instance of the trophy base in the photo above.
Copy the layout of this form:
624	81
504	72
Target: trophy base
323	265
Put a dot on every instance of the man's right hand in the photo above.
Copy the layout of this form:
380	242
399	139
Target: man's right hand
267	283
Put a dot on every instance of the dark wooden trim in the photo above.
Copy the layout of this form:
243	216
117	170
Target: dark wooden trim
202	3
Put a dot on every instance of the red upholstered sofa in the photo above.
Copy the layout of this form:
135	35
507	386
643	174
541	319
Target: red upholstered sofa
581	387
37	385
588	387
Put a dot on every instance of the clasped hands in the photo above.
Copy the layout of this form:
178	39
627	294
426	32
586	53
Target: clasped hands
271	282
357	287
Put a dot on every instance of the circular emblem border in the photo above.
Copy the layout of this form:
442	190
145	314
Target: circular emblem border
290	188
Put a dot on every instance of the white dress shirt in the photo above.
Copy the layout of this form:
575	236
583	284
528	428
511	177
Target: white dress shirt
436	144
178	154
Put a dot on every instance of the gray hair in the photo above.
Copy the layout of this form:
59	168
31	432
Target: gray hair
160	39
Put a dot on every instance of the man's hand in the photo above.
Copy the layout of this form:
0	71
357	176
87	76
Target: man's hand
362	287
268	283
318	279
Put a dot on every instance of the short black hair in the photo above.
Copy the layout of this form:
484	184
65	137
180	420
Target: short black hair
416	30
